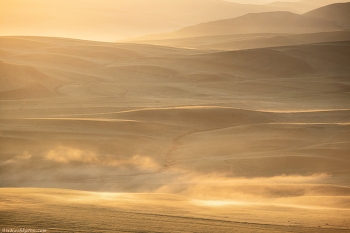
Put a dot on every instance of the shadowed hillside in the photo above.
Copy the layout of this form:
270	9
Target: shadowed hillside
338	12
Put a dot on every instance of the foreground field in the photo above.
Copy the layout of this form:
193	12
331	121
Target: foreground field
191	140
76	211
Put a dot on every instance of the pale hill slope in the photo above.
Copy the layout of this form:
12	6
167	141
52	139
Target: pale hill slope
20	82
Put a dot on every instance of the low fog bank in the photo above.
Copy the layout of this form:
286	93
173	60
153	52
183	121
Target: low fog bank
70	168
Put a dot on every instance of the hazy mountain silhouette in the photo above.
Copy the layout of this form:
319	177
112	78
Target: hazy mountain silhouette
296	7
267	22
339	12
320	3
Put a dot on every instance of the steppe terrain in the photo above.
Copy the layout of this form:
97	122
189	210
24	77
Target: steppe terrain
246	139
207	133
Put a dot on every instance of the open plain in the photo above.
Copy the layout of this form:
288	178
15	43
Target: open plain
174	139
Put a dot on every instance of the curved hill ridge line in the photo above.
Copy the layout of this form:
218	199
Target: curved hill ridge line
55	43
277	49
251	41
23	81
302	123
165	108
13	42
94	51
297	111
203	107
72	119
57	57
277	41
260	156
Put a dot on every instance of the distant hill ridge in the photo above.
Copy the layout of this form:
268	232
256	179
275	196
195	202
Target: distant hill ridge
339	12
267	22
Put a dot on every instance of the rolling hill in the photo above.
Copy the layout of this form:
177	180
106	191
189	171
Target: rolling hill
250	41
108	137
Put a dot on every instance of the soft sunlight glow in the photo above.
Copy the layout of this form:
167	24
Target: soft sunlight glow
221	203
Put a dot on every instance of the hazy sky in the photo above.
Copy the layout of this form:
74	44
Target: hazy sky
258	1
110	20
268	1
